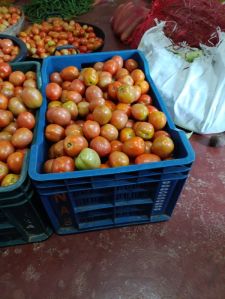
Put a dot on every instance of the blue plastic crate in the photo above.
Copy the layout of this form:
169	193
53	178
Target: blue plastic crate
103	198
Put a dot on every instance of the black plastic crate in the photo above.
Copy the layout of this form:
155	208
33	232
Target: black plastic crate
21	223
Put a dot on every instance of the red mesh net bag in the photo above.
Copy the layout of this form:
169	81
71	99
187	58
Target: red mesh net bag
193	21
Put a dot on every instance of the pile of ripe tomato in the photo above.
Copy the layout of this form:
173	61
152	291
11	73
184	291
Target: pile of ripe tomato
103	116
42	39
8	51
19	97
9	16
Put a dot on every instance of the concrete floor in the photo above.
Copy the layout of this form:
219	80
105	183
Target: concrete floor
183	258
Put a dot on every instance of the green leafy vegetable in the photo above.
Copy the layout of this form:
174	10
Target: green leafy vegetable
39	10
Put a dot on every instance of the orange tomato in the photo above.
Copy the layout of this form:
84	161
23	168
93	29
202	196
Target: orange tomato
162	146
15	162
157	119
116	145
117	159
73	145
144	85
147	158
126	133
134	146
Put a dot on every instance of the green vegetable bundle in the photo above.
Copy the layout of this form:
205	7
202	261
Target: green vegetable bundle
39	10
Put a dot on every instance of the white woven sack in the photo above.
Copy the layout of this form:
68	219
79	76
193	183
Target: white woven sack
193	92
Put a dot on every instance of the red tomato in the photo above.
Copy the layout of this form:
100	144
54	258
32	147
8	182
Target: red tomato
151	108
95	103
26	120
160	133
104	165
102	114
15	162
56	78
101	145
5	70
145	99
59	116
71	96
131	64
147	158
110	132
119	119
125	108
53	91
63	164
69	73
17	91
110	105
17	78
91	129
78	86
121	73
139	111
134	147
74	129
130	123
117	159
66	85
126	133
5	118
113	88
93	92
48	166
3	102
22	138
57	150
31	97
119	61
73	145
110	66
54	133
116	145
127	80
6	148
